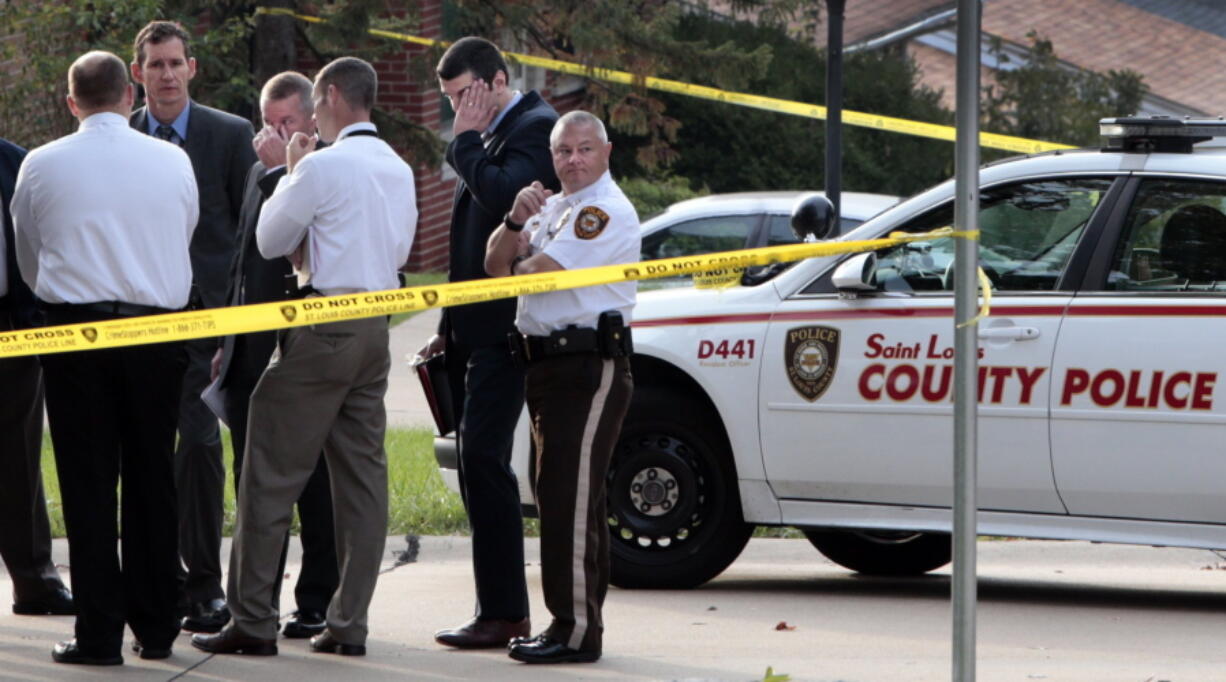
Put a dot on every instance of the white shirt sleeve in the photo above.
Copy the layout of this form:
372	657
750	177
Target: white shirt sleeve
289	211
26	241
191	196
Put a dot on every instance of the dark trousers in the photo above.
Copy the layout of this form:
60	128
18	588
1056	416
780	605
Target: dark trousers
25	533
577	404
200	477
488	392
319	575
114	411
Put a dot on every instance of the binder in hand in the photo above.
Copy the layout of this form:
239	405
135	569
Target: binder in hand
432	372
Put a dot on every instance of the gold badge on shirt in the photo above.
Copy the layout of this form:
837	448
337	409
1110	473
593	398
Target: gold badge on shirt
557	227
590	223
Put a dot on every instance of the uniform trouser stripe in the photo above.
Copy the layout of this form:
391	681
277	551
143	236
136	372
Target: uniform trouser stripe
582	494
577	404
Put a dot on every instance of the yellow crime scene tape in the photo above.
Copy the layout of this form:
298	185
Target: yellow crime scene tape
1020	145
197	324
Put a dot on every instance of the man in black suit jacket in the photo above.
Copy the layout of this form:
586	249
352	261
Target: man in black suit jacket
25	533
286	107
219	145
500	145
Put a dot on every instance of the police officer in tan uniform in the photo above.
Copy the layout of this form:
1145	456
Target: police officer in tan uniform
576	345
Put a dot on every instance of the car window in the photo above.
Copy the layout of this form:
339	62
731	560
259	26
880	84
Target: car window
1027	234
1174	239
780	229
703	235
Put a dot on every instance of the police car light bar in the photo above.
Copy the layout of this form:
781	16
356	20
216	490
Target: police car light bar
1158	133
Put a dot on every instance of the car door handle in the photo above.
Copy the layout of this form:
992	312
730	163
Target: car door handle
1009	333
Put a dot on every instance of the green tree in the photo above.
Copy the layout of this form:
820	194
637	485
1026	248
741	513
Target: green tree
1046	100
725	147
651	196
640	37
38	41
733	148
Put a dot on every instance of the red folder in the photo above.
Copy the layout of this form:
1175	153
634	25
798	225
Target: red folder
432	372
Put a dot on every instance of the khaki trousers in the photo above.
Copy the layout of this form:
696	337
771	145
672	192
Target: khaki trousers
323	390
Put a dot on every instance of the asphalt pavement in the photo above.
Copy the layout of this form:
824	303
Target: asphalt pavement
1052	611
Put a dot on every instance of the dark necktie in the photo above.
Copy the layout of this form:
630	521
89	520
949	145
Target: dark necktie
165	132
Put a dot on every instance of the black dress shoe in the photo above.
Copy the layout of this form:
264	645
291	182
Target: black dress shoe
207	616
543	649
327	644
149	653
528	640
57	603
304	623
68	652
231	641
481	633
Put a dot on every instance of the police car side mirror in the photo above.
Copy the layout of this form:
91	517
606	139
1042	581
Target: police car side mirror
856	273
813	214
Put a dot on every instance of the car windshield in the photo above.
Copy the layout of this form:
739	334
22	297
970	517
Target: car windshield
1027	233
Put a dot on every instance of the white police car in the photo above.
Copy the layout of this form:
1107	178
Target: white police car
821	396
741	220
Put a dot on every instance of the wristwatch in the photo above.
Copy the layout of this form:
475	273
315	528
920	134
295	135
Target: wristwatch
511	224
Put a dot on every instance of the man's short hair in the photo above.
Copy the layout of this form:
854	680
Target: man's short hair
354	78
97	80
285	85
157	31
474	54
578	118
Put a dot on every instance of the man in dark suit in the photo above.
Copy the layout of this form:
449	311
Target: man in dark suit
25	534
219	146
286	107
500	145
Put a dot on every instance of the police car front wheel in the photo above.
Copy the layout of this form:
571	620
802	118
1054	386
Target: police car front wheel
674	510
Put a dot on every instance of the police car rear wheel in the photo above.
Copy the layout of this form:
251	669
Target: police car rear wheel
674	511
883	552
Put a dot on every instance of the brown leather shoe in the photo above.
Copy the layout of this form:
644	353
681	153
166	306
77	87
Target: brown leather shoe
231	641
483	634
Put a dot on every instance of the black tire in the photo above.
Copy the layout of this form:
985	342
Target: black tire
883	552
674	510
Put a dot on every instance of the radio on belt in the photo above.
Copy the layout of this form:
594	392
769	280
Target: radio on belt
1158	133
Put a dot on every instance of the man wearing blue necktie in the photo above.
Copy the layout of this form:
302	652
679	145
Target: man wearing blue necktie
219	146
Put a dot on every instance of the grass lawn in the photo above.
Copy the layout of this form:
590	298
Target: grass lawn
418	500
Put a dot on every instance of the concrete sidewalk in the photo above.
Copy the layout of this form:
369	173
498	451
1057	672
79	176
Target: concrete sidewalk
649	635
405	403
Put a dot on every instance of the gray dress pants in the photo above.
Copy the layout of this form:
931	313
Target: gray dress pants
323	390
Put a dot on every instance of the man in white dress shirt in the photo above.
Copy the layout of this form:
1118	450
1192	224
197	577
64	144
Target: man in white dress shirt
348	214
103	219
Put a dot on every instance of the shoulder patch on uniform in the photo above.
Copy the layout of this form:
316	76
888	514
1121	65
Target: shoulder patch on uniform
590	223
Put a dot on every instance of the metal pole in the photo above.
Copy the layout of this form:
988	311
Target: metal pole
834	105
966	365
